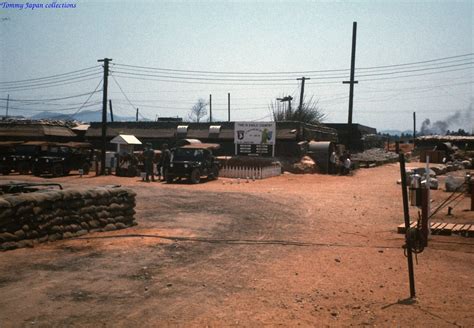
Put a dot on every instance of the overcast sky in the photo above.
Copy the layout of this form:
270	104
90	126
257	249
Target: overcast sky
301	37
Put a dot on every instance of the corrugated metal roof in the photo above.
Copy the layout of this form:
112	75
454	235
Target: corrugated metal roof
168	130
34	130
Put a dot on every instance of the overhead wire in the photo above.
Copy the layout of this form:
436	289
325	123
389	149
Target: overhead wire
51	76
126	97
55	84
49	99
90	96
289	72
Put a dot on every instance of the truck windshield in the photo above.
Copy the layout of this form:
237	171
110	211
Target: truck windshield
186	154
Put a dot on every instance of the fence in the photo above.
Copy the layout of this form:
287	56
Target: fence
244	172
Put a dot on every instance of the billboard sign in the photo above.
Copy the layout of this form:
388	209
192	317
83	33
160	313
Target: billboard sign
254	133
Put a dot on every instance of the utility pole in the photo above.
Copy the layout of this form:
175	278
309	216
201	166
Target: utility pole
104	114
8	101
111	111
302	79
210	108
228	106
414	128
406	215
136	116
352	82
287	99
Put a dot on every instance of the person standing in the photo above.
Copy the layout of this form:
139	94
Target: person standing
347	165
332	163
164	160
149	154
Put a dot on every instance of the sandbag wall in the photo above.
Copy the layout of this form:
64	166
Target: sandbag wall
30	218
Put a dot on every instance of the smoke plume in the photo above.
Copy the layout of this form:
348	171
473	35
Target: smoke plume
460	119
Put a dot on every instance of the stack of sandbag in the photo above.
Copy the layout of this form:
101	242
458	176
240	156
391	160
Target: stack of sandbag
30	218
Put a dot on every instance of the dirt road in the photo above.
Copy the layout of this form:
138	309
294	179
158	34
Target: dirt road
296	250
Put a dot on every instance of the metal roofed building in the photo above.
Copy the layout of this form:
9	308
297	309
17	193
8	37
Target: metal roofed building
289	134
352	135
35	130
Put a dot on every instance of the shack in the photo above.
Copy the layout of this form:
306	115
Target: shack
30	130
354	136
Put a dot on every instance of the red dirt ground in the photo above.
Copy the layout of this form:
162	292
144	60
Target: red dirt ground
295	250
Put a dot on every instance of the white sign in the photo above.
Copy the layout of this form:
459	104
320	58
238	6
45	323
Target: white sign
255	133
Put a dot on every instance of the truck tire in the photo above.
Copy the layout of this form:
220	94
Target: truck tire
214	173
86	168
23	168
167	176
36	172
57	170
5	170
195	177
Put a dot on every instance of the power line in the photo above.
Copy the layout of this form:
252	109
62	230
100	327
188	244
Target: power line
51	76
85	102
58	83
50	110
116	82
286	72
51	99
171	79
7	88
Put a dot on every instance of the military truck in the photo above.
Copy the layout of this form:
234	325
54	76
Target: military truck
7	156
60	159
18	156
192	162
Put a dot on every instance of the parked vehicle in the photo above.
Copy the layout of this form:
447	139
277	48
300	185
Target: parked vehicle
60	158
192	162
7	155
18	156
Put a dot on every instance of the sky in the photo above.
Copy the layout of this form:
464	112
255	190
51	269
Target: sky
411	56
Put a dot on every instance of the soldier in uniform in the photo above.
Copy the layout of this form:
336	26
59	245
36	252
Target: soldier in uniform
164	160
149	155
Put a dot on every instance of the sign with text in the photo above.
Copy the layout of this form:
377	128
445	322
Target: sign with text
255	138
254	133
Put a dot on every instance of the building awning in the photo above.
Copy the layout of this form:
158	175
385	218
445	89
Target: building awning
126	139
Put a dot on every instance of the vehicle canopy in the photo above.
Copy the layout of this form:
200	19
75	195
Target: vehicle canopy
208	146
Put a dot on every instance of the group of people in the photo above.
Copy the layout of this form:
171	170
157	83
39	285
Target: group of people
150	160
340	165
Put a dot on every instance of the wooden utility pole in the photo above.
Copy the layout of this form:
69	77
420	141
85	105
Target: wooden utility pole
111	111
414	128
210	108
8	101
300	108
104	114
228	106
406	215
136	116
352	82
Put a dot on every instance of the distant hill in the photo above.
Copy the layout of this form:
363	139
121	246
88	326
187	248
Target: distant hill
84	116
396	132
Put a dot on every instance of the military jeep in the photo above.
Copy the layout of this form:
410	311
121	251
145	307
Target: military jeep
192	162
8	156
59	159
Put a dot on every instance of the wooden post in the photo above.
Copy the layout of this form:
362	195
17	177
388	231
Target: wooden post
406	214
104	114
